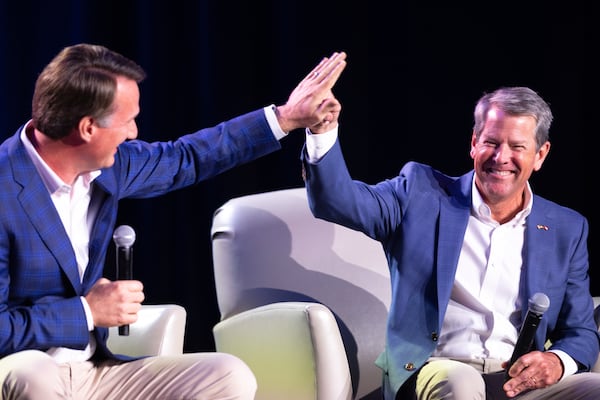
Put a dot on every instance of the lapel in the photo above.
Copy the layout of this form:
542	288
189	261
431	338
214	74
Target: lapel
38	206
539	251
101	233
454	217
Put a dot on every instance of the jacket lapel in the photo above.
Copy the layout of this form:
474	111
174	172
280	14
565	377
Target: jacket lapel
106	201
38	206
539	248
454	217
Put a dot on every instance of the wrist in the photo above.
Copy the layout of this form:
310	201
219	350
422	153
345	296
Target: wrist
284	123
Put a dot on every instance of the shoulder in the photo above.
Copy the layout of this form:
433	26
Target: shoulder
554	209
427	175
565	219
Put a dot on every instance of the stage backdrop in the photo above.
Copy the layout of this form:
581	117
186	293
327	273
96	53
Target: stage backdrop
414	73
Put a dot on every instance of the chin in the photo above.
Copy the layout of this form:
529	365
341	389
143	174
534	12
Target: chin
108	163
495	191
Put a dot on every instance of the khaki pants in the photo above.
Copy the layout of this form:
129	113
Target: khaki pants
34	375
443	379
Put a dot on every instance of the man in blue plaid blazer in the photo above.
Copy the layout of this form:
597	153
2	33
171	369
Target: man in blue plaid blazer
62	175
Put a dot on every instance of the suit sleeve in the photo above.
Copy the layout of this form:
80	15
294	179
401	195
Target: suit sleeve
334	196
151	169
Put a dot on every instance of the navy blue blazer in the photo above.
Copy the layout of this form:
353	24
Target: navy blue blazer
39	280
420	218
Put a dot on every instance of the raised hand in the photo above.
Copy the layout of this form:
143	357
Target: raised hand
312	104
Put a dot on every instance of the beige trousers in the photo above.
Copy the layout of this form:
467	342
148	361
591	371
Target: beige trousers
33	375
443	379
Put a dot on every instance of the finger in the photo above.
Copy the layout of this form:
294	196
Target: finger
330	71
529	382
328	64
532	382
331	78
132	285
519	366
329	107
316	70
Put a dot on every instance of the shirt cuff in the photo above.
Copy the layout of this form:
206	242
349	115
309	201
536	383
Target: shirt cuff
272	121
318	145
88	314
569	364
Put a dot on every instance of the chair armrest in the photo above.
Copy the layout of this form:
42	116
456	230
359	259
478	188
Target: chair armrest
290	346
159	330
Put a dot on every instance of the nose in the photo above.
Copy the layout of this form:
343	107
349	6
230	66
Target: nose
133	132
502	153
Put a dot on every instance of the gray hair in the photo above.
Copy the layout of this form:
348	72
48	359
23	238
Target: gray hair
516	101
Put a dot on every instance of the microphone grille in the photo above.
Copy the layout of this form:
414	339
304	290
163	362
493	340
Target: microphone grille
124	236
539	303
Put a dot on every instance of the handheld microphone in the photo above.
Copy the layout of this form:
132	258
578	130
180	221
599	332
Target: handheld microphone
124	237
538	304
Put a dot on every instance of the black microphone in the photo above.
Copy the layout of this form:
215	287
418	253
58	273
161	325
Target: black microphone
538	304
124	237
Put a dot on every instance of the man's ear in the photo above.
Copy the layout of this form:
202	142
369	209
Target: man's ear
541	155
86	129
473	143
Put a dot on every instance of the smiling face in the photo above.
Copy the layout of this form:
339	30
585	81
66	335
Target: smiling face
505	156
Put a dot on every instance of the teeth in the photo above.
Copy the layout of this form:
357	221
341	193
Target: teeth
499	172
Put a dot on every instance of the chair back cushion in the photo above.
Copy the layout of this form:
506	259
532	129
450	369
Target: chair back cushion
269	248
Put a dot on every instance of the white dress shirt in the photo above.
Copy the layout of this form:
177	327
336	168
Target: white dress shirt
484	308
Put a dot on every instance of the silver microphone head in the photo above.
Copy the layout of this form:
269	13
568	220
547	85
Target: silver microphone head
124	236
539	303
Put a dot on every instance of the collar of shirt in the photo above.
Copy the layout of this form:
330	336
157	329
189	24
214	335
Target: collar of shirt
49	177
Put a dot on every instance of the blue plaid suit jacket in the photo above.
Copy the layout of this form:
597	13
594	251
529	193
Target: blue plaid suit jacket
39	280
420	217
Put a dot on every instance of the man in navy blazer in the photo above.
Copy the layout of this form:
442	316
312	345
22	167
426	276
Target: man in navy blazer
465	255
62	175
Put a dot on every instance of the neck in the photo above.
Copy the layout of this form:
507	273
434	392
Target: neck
505	211
55	153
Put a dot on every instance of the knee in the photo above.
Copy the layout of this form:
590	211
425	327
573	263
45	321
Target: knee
443	378
29	372
583	386
241	380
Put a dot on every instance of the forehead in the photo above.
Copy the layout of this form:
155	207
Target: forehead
499	123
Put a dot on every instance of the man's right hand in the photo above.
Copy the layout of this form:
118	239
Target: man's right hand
115	303
312	104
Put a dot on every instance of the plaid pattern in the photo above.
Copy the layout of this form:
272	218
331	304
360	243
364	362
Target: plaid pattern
39	281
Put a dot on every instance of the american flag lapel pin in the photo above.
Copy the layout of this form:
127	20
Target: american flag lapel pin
542	227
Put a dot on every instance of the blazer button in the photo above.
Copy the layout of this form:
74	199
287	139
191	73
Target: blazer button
409	366
434	336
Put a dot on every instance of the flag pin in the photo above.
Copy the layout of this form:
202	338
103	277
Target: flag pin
544	227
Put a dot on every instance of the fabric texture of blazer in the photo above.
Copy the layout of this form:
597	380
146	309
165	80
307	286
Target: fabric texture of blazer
420	218
39	280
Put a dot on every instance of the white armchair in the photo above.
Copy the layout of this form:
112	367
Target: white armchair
303	301
159	330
